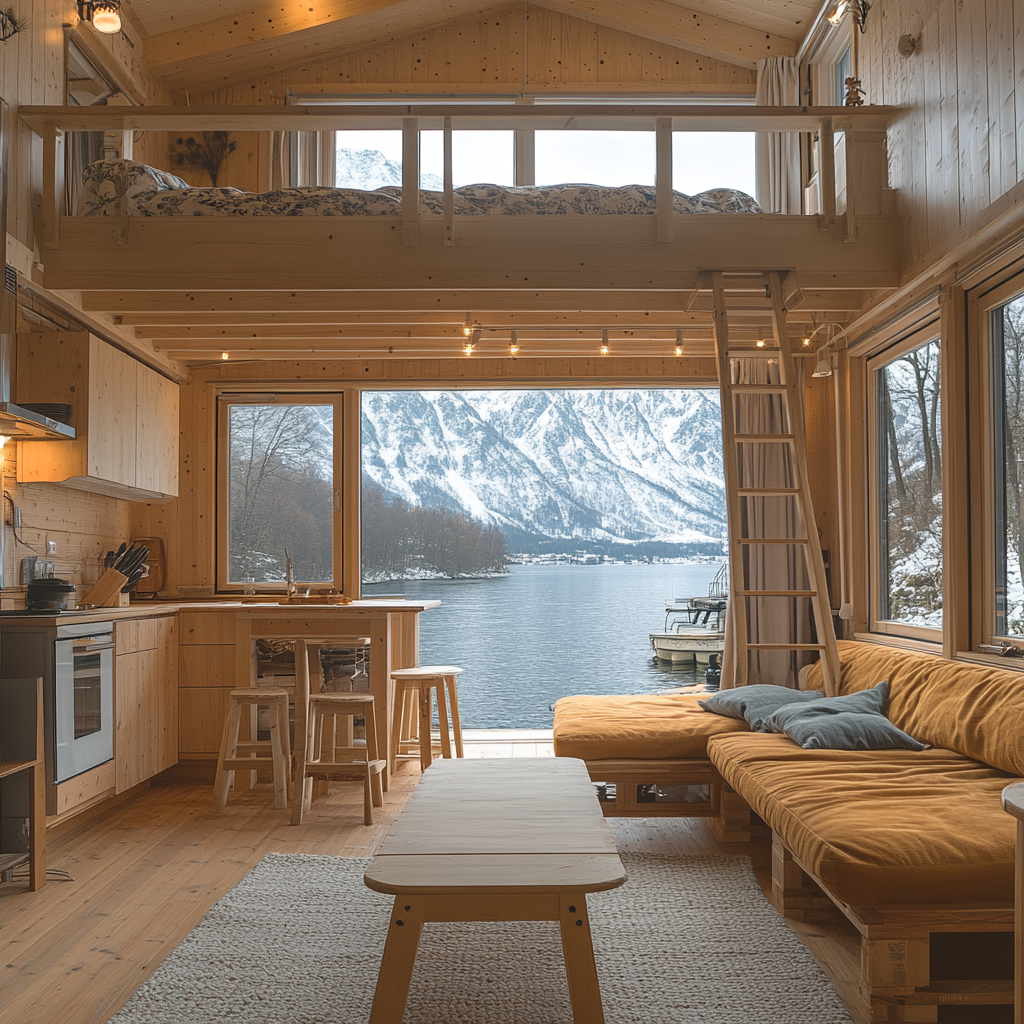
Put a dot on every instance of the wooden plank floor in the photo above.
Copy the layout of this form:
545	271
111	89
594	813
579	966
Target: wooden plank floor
145	872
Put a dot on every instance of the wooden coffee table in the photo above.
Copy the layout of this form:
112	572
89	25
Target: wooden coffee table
517	839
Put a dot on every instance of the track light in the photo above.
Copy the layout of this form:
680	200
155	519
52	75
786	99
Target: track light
824	367
105	15
513	348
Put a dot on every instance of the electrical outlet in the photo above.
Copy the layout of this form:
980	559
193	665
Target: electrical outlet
17	518
51	547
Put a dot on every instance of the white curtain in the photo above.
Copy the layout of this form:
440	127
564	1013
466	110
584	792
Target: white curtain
771	620
301	158
777	154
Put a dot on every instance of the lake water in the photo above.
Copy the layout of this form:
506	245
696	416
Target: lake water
547	631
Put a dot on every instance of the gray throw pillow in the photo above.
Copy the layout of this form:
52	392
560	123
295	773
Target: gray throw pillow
755	703
864	702
847	730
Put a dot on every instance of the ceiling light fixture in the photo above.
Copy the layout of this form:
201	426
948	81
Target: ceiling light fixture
824	367
604	342
679	342
513	348
104	15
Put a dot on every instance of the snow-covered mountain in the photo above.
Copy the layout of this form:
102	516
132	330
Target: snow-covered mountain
602	466
370	169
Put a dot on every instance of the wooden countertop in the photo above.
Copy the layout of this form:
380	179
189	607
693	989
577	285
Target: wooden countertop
254	608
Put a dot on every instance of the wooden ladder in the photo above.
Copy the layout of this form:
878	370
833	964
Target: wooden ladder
733	443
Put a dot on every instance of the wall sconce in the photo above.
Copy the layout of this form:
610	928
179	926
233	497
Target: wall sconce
840	8
104	15
824	367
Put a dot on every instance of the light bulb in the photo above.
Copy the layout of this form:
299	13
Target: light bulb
760	342
513	348
467	348
839	12
807	342
604	342
224	355
679	341
467	328
679	350
4	438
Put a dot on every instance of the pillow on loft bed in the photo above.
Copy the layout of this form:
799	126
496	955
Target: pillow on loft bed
152	193
855	721
756	703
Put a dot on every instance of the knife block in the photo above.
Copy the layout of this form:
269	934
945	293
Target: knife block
106	591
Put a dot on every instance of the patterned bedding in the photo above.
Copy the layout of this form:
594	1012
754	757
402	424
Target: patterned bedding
149	192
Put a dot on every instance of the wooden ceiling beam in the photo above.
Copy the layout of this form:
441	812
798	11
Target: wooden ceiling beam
681	27
279	33
232	305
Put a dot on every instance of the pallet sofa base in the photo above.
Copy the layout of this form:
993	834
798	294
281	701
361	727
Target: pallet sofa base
892	978
671	789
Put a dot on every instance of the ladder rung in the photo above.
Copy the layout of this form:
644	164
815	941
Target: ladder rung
759	389
780	593
785	647
772	540
766	438
766	492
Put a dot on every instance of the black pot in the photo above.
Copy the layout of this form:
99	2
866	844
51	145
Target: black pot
50	595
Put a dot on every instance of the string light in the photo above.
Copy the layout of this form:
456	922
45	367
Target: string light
604	342
679	342
513	348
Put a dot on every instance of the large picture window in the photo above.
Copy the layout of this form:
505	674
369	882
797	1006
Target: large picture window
277	491
1007	333
908	491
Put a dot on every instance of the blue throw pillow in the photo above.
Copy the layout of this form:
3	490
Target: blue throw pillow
755	703
864	702
847	730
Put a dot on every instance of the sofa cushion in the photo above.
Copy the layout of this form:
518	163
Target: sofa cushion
881	826
648	727
978	712
754	704
843	730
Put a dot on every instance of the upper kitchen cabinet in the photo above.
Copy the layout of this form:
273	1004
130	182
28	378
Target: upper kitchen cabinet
125	413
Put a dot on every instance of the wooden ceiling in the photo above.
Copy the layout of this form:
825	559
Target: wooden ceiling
197	44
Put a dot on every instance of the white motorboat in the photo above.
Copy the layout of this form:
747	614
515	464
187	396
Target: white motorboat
694	626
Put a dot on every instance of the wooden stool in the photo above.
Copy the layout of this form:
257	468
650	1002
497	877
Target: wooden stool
367	769
424	680
230	760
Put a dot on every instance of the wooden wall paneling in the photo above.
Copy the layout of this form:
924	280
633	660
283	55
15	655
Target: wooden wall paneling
544	47
911	81
579	59
1002	130
938	47
618	56
972	93
1018	79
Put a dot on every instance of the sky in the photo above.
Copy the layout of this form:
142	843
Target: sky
701	160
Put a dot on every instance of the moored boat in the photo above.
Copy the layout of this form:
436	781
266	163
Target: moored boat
694	626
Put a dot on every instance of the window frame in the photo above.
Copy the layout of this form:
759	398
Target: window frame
921	335
341	401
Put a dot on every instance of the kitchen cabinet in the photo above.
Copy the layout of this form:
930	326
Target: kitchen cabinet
145	699
125	413
206	675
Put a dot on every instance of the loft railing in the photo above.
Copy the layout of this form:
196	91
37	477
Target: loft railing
50	124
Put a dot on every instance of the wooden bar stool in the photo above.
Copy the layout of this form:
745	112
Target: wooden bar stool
324	763
246	755
424	681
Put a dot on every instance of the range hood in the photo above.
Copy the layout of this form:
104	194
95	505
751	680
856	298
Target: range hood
16	422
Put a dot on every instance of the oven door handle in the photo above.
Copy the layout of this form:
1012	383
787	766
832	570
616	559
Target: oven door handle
89	645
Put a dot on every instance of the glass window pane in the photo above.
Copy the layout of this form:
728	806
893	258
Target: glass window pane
280	492
595	158
911	488
705	160
842	73
367	160
478	158
1008	438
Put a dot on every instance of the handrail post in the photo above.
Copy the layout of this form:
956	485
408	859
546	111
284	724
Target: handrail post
449	188
663	178
410	181
53	185
827	142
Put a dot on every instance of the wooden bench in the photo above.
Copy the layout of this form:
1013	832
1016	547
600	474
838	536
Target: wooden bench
501	840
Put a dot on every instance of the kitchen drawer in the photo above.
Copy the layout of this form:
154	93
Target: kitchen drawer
206	627
131	635
83	788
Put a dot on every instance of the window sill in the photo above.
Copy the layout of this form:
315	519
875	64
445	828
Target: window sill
903	643
991	660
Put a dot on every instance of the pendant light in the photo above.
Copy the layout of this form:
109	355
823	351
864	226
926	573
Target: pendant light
824	367
103	15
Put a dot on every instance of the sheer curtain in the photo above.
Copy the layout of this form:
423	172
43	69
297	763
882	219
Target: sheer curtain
777	154
301	158
770	566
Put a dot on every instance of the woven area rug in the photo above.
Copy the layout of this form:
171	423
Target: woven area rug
687	940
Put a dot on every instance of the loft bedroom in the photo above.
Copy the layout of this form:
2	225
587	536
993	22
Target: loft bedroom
855	318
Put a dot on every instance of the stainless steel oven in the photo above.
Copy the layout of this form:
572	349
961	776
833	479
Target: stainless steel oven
76	662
